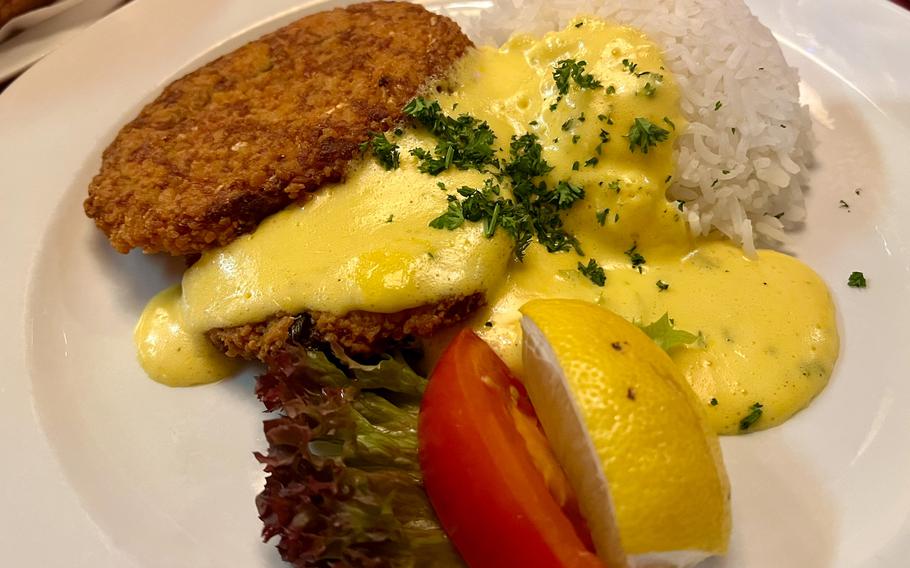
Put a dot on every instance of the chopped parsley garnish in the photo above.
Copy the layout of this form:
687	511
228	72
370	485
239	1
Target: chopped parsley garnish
644	134
680	204
755	412
629	65
576	138
604	135
664	333
856	280
717	105
713	402
594	272
385	151
591	162
390	218
614	185
611	89
650	88
568	70
565	194
534	211
452	218
463	142
602	216
635	257
669	123
575	165
844	204
662	286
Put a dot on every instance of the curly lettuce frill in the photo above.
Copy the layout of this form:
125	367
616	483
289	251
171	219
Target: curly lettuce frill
344	486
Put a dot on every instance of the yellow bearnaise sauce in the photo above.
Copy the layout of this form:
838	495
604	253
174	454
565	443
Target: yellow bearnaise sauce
767	323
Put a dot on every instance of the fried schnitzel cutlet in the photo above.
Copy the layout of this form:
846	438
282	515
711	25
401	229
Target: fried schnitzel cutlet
251	132
357	332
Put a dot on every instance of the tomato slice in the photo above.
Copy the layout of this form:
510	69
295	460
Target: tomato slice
481	479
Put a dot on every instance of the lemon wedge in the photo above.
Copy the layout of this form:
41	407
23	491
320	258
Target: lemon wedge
629	432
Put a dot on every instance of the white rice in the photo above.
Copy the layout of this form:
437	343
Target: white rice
741	169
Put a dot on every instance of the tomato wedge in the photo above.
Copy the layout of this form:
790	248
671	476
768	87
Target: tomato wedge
479	474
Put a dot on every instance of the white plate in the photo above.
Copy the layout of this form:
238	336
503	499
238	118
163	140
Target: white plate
57	23
103	468
34	17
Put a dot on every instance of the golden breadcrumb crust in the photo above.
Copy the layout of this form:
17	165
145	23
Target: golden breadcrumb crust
358	332
251	132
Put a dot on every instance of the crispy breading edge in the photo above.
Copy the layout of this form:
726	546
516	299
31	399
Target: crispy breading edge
203	164
358	332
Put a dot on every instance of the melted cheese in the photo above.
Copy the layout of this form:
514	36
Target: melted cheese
768	323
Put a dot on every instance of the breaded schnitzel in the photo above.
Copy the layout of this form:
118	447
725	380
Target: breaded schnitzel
251	132
357	332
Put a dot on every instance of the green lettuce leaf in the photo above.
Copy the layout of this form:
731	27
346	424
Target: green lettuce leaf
344	486
666	335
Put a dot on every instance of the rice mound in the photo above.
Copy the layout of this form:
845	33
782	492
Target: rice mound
741	167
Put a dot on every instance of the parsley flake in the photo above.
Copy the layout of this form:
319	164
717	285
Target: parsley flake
856	280
635	257
755	412
567	70
644	134
594	272
452	218
386	152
